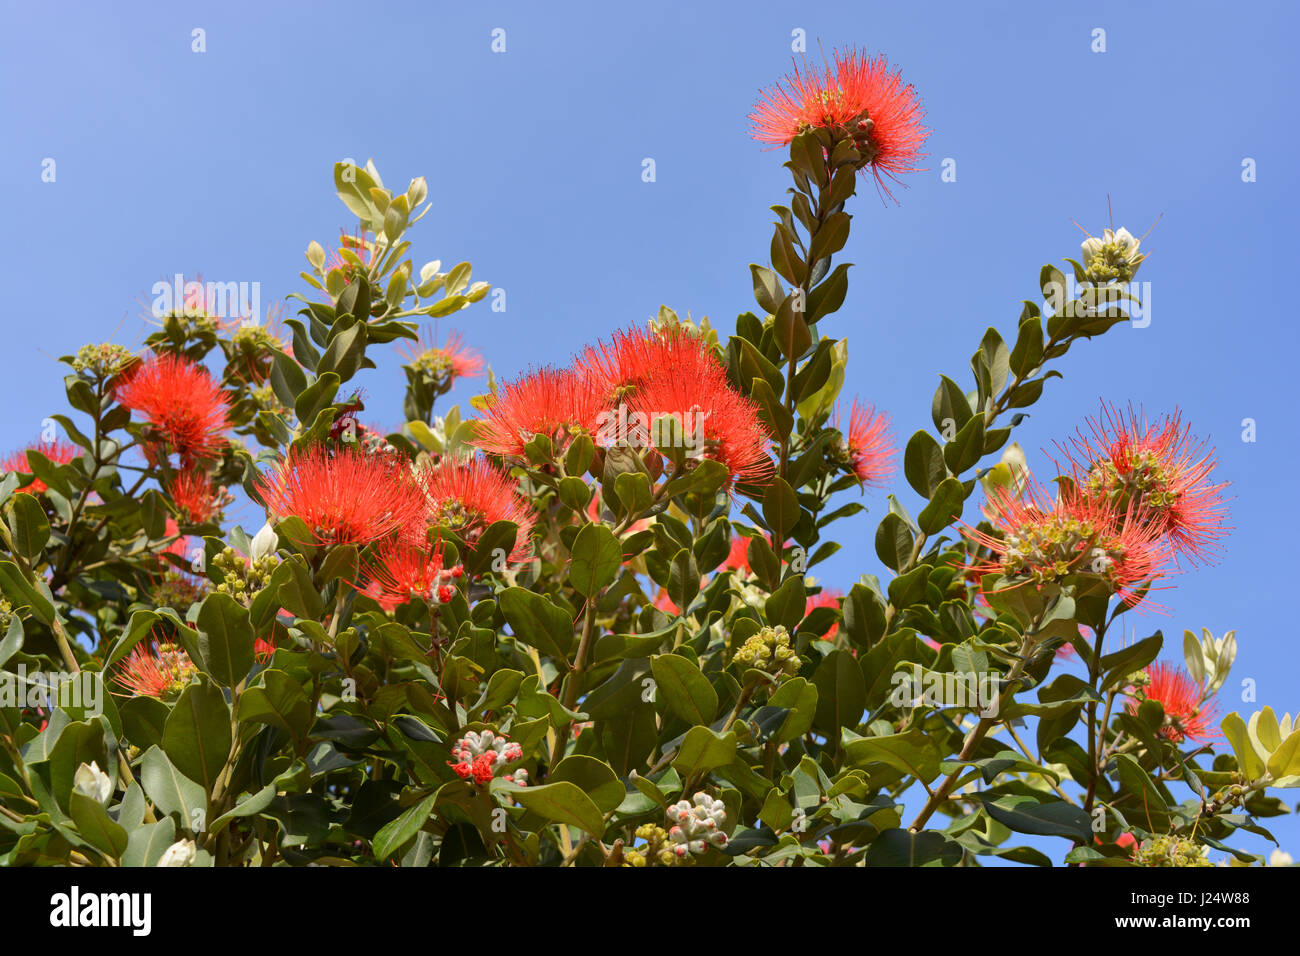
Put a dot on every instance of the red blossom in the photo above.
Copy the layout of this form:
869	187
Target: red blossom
556	403
1186	715
157	669
854	93
869	444
58	452
466	497
194	495
825	598
451	360
182	402
1040	538
635	356
344	495
401	570
717	422
1159	467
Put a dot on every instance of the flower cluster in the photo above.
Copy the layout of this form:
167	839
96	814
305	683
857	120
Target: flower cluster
401	571
160	669
622	393
58	452
478	757
184	406
1112	258
102	361
441	365
769	651
243	578
1190	714
853	97
1171	850
697	825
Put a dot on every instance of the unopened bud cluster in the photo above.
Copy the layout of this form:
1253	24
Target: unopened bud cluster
244	577
696	825
1170	850
657	848
178	591
478	757
102	361
769	651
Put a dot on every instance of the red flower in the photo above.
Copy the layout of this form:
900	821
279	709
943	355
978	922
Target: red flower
401	570
1156	466
716	421
637	355
1038	540
446	362
556	403
738	557
466	497
666	604
181	401
59	452
1186	715
868	444
825	599
344	495
193	493
858	95
263	650
159	669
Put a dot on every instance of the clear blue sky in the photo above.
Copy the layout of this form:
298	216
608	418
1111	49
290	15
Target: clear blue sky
220	162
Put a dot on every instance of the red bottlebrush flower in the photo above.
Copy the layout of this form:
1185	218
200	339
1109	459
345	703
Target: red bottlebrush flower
446	362
180	546
858	95
466	497
1039	540
263	650
825	599
192	492
556	403
1187	715
716	421
868	445
344	495
666	604
637	355
359	245
181	401
738	557
401	571
1159	467
160	669
59	452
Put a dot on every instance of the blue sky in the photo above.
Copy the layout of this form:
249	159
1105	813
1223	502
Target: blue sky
220	162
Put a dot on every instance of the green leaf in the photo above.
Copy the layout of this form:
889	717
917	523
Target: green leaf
21	593
296	591
595	778
1285	760
702	750
912	753
768	292
170	790
225	638
899	847
561	802
1122	663
536	621
841	693
196	737
1249	760
944	508
967	447
894	542
686	691
279	702
780	508
30	527
148	843
1150	807
595	559
923	464
1024	814
395	834
96	826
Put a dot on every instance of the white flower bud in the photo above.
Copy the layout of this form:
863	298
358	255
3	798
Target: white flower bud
181	853
264	543
92	782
